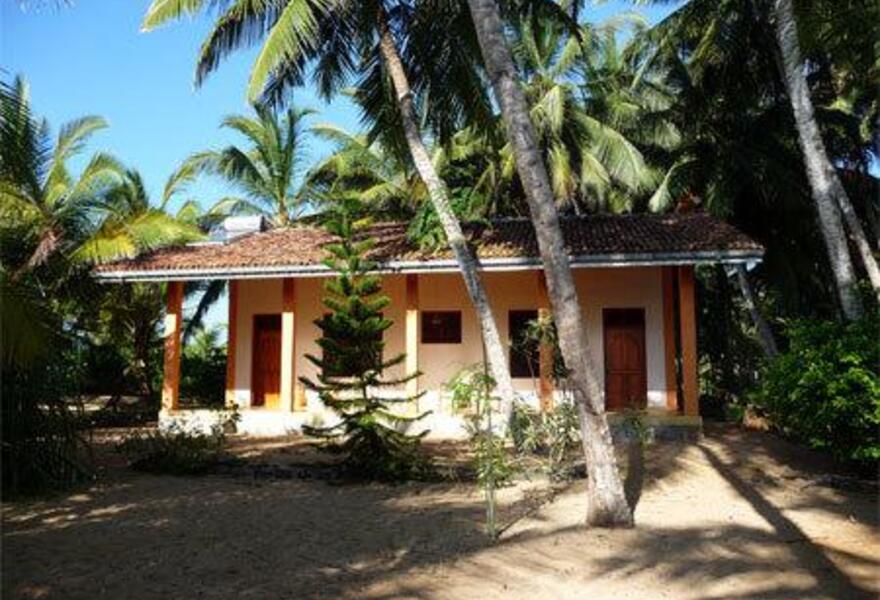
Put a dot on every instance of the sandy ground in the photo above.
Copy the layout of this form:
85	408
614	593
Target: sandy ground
739	515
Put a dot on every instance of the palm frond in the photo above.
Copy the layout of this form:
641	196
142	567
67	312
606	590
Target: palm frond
243	24
292	37
115	240
211	291
162	11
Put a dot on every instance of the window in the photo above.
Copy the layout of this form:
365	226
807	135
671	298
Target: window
441	327
524	359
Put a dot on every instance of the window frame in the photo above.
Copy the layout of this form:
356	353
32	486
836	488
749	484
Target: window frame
454	338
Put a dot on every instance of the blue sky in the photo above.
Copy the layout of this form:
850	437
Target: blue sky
90	58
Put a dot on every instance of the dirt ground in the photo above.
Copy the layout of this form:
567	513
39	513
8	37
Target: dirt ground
739	515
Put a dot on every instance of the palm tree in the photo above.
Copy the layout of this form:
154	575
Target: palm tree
736	44
39	197
623	89
127	224
389	187
739	147
269	173
338	39
590	161
385	184
57	224
829	195
607	503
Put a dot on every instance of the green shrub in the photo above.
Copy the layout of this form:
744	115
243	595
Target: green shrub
471	392
825	389
174	452
552	435
44	448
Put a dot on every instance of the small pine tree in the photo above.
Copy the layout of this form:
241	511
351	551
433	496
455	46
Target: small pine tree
350	370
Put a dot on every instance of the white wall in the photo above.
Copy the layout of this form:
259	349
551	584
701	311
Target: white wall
597	289
626	288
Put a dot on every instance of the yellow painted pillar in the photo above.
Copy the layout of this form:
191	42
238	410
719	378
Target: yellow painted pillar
669	351
412	333
688	318
546	351
288	375
171	378
231	343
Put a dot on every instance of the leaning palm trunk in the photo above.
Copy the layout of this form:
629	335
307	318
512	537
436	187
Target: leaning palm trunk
440	201
828	193
859	238
607	505
765	334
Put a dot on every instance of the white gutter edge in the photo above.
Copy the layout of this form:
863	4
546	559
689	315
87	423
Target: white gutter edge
748	257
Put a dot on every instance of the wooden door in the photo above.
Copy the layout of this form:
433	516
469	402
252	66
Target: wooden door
266	365
626	378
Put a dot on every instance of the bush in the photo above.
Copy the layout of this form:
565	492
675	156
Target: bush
174	452
553	435
43	446
825	389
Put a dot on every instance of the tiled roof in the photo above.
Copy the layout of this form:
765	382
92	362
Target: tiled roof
602	237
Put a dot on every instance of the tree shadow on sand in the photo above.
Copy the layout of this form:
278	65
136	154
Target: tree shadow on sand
700	555
223	537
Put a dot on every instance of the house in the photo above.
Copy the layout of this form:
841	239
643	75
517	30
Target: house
634	275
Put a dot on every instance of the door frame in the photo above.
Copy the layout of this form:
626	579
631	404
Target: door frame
644	346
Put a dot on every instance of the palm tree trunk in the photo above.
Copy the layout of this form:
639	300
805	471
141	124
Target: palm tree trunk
607	505
454	235
858	236
765	334
826	187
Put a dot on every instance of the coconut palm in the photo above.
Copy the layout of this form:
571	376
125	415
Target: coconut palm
268	174
739	44
622	88
127	224
607	503
385	184
828	192
590	161
341	40
54	225
39	197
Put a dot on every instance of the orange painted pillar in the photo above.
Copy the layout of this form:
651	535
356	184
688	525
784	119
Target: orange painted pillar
412	333
545	351
173	320
288	374
669	351
688	317
231	343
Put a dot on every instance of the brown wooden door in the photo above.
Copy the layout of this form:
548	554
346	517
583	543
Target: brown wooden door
626	379
266	365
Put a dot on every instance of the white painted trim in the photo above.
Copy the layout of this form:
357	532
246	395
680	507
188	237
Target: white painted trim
748	257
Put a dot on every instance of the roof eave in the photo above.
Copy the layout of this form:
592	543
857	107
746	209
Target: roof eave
437	266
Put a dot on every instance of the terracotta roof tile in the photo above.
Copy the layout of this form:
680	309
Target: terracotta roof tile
599	235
